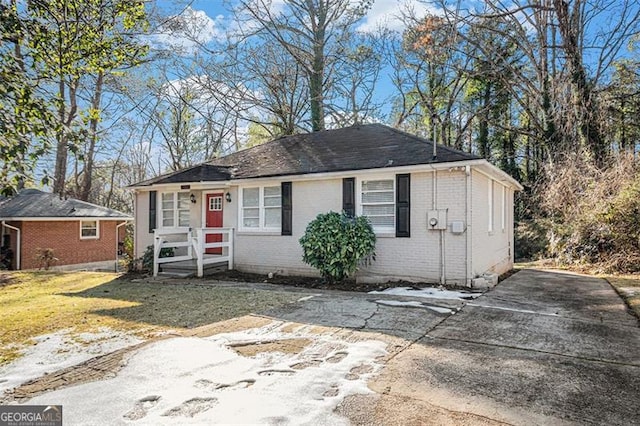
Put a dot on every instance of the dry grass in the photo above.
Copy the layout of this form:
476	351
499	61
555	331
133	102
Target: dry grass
36	303
628	287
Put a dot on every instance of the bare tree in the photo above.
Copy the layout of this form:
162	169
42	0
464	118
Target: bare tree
311	32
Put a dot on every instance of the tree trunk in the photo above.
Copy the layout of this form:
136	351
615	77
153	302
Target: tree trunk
87	175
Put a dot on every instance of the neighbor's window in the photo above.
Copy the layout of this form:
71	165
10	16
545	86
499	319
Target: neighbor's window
377	200
88	229
261	208
175	209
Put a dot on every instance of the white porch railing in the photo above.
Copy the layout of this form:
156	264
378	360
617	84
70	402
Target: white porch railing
196	246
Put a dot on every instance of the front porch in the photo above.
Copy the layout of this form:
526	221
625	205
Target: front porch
185	252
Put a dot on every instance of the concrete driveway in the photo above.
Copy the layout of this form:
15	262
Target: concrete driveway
541	348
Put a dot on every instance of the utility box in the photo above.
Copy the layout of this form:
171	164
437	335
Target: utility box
437	219
457	227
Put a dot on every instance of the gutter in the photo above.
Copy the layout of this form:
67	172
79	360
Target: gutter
17	243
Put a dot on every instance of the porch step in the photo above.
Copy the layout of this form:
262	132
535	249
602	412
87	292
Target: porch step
176	274
187	268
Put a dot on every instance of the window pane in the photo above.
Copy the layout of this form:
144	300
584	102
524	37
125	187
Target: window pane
382	221
379	210
167	201
250	197
377	197
377	185
89	228
183	200
167	221
270	191
251	213
272	218
183	218
272	201
251	223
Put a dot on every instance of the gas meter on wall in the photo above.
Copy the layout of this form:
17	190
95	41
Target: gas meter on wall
437	219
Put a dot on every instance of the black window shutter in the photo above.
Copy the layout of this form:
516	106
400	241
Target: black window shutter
403	205
287	209
152	210
349	196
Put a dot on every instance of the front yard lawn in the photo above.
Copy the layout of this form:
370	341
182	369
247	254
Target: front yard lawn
37	303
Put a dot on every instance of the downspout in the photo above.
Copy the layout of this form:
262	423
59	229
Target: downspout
17	243
468	235
117	235
434	203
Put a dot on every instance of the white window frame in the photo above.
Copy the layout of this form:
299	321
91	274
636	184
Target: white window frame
261	209
90	237
359	205
175	210
490	205
504	208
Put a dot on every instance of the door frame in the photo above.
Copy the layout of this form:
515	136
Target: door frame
205	207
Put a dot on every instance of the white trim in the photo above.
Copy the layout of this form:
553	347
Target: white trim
503	222
261	208
488	169
491	203
203	209
65	219
91	237
176	216
386	231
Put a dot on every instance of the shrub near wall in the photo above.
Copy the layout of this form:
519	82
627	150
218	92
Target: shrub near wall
336	244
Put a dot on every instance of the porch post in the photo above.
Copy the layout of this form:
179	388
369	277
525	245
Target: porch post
156	252
230	248
200	252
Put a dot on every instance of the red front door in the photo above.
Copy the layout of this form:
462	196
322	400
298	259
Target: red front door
214	220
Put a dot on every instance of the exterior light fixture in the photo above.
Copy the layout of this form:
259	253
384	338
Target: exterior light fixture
192	197
228	197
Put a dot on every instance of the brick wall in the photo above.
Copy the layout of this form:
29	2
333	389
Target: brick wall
64	238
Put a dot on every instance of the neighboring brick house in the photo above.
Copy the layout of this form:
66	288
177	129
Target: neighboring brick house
440	215
82	235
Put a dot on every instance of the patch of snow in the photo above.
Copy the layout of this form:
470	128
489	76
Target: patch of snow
55	351
430	292
414	304
304	299
440	309
189	380
411	304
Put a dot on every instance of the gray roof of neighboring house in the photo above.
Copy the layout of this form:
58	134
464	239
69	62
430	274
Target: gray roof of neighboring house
33	203
368	146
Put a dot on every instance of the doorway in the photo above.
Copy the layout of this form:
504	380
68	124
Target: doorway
213	219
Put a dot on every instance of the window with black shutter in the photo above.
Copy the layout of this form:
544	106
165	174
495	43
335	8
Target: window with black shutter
287	209
153	214
349	196
403	205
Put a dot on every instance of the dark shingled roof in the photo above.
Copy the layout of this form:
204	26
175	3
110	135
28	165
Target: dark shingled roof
200	173
35	203
368	146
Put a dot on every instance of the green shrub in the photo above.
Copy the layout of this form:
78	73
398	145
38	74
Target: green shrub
336	244
147	257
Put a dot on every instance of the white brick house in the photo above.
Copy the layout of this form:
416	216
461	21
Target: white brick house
446	218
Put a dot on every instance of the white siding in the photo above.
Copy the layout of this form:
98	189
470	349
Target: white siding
491	251
417	258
